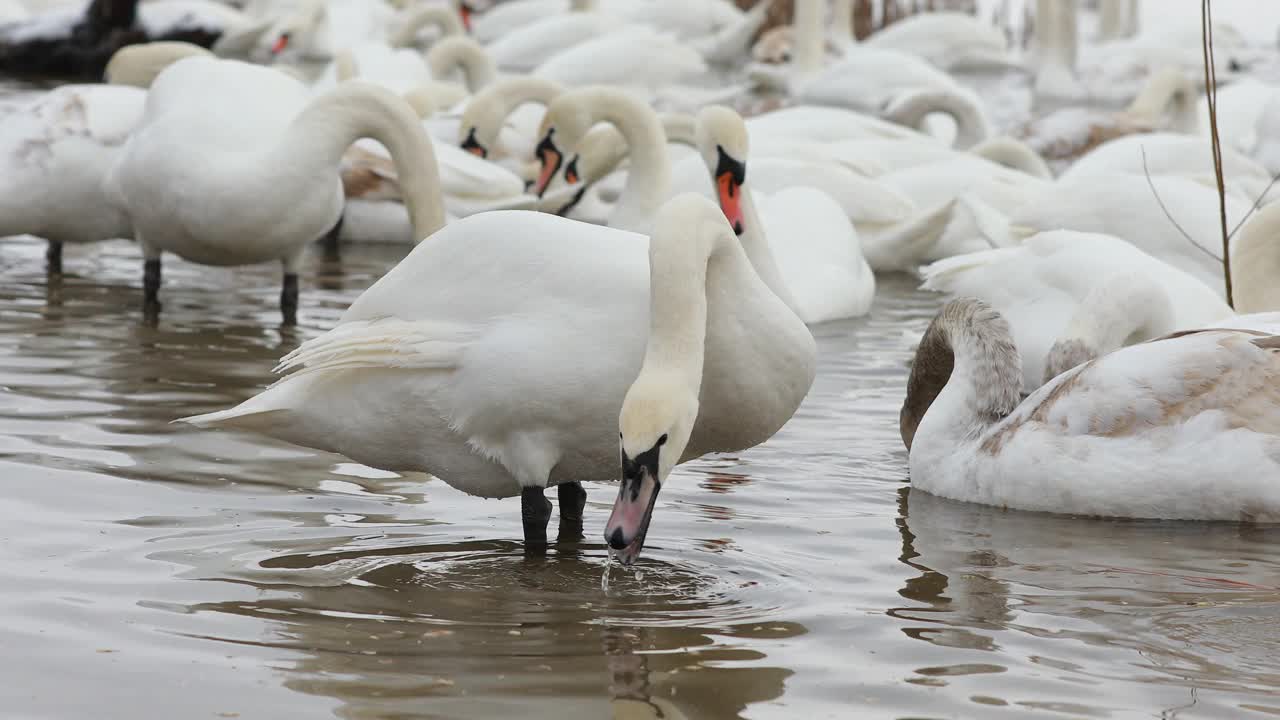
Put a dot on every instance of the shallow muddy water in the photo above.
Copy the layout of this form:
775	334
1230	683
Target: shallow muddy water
155	571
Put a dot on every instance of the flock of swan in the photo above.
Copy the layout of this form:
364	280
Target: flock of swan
601	244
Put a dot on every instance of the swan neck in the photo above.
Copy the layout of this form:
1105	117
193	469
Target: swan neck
971	124
491	107
354	110
680	265
966	370
842	22
1255	263
756	246
809	43
1124	307
1058	32
649	179
1167	90
478	68
1015	155
446	19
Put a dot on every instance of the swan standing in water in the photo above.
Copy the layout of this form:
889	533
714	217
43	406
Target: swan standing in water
497	355
235	164
57	149
1185	427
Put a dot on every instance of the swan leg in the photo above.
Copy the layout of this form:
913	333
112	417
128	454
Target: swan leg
535	511
151	289
330	240
573	498
289	287
289	298
53	258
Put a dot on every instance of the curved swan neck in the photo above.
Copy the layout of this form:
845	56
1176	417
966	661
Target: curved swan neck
462	52
649	180
1013	154
809	45
444	18
354	110
966	370
1167	90
1114	311
756	246
491	107
138	65
971	124
690	240
1255	262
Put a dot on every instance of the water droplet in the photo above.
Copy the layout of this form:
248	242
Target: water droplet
608	565
639	576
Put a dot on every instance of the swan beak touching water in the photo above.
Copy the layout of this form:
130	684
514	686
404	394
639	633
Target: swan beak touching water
730	174
629	521
656	421
551	158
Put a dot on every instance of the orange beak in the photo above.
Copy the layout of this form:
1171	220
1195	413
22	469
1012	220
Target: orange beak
730	175
280	44
465	11
551	158
730	195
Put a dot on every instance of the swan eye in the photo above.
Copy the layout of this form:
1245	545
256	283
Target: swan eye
662	440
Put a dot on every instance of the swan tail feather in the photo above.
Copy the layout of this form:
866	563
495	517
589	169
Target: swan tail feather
383	343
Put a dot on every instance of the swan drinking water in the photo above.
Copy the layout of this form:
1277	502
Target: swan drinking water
498	353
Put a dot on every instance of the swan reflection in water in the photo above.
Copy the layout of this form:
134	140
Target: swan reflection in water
1183	612
474	629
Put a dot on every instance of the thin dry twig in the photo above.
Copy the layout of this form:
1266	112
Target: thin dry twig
1211	94
1156	193
1257	203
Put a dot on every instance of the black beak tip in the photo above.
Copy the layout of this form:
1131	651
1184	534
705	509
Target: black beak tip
615	539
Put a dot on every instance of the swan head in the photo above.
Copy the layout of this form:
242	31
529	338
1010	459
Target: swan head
657	419
721	139
287	33
563	129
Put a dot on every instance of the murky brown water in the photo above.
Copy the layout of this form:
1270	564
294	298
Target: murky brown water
154	571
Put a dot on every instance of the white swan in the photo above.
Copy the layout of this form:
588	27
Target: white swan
501	121
235	164
1167	101
1172	154
423	369
1186	427
1150	213
636	57
1092	292
567	121
56	150
315	30
1113	72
